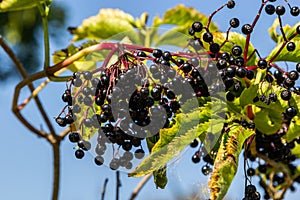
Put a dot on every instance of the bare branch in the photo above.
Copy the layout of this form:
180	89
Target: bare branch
140	186
104	189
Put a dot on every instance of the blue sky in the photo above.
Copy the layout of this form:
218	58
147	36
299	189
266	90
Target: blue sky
26	161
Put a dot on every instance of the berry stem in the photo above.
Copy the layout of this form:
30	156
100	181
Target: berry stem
226	40
281	28
246	49
211	16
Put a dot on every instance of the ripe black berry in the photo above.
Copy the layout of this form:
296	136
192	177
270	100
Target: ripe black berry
196	158
141	54
280	10
87	75
239	61
186	67
139	153
293	75
285	95
230	96
214	48
298	67
273	97
114	164
250	189
167	55
250	172
241	72
298	29
207	37
270	9
85	145
247	29
79	153
295	11
230	4
61	121
291	111
234	22
290	46
221	64
236	50
250	74
206	170
99	160
194	144
262	64
74	137
197	26
157	53
191	31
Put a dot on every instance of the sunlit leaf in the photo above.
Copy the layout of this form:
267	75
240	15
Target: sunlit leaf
14	5
107	23
286	55
226	162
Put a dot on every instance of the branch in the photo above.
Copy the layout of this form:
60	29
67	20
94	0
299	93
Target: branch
140	186
118	184
104	189
23	73
56	167
249	35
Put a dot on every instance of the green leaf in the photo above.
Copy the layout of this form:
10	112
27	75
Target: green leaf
273	31
14	5
248	95
226	162
288	30
296	150
182	18
107	23
87	62
267	121
294	129
160	177
182	15
286	55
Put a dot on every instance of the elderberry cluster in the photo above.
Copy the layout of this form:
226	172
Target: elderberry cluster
123	106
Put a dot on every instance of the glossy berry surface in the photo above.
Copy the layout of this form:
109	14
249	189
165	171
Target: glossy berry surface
290	46
234	22
295	11
280	10
270	9
197	26
207	37
247	29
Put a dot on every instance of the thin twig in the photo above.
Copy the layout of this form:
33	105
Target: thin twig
118	184
24	75
104	189
249	35
140	186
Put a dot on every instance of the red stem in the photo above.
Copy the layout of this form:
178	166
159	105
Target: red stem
249	35
282	46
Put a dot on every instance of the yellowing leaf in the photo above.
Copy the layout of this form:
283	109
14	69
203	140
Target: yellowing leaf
107	23
226	162
14	5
